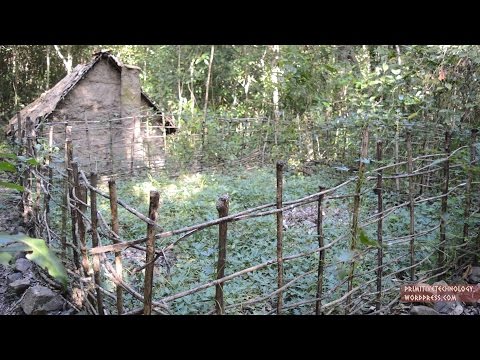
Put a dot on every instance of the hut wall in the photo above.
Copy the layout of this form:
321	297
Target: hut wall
97	99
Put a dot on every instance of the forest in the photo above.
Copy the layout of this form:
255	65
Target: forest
346	176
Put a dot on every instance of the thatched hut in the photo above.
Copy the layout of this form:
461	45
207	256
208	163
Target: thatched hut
116	127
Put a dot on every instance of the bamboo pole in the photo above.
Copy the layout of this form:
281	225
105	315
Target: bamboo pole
321	259
411	197
356	207
150	253
96	259
379	191
222	208
112	187
443	213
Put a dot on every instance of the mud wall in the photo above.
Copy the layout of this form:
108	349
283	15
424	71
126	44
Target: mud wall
103	140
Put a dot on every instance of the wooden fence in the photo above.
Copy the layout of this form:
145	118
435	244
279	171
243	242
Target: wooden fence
75	191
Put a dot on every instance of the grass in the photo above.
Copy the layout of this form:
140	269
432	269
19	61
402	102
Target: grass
190	199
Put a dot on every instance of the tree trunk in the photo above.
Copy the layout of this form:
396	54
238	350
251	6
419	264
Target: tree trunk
190	85
275	92
179	81
205	106
68	61
47	85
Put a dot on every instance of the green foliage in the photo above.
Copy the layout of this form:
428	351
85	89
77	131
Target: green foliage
365	240
38	252
20	162
6	166
10	185
301	103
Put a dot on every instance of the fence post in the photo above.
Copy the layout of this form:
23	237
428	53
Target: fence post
89	148
63	238
28	181
356	209
397	159
111	145
164	136
112	187
81	208
38	224
443	213
72	179
49	185
20	133
222	208
96	259
280	165
379	191
468	188
132	146
411	190
321	256
150	256
423	177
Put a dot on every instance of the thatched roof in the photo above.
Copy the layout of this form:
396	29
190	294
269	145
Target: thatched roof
43	106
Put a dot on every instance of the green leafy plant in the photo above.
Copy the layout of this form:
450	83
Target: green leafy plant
38	252
7	166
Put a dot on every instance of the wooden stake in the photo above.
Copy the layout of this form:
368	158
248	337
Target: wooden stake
89	149
112	187
165	136
81	192
356	208
28	183
38	224
423	177
63	238
468	188
397	160
111	147
280	165
321	260
150	253
379	191
78	226
443	213
96	259
72	172
132	147
20	133
411	198
49	185
222	208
